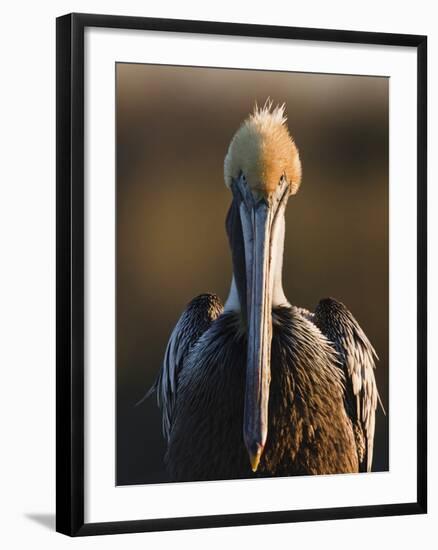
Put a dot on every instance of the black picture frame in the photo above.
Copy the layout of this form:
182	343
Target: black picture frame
70	272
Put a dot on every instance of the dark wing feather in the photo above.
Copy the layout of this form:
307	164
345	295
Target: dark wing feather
194	321
358	358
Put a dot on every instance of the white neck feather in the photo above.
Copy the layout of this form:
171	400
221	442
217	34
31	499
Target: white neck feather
277	251
232	303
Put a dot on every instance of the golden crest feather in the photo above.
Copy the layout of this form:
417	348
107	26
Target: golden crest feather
263	150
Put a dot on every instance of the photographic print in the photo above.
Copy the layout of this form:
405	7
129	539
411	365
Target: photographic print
252	294
241	274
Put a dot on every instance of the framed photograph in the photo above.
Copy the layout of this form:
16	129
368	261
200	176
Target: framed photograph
241	274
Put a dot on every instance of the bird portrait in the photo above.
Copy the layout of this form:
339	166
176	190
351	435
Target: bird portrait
259	386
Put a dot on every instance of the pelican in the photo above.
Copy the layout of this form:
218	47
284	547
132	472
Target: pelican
259	387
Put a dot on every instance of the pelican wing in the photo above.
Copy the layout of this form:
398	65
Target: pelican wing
358	359
194	321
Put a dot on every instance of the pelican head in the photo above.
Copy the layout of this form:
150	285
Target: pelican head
262	169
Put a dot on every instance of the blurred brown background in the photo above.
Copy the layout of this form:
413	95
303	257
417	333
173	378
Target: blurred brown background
173	128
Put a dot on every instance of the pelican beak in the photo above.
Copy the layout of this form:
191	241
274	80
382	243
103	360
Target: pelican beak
258	215
259	329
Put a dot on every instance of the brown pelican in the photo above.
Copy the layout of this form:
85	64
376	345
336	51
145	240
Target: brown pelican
260	387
